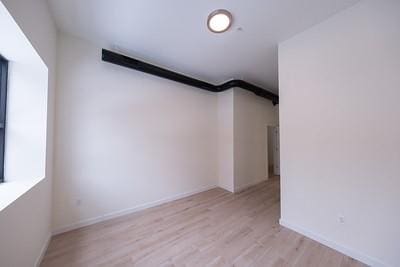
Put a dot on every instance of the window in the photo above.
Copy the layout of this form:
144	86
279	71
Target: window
3	103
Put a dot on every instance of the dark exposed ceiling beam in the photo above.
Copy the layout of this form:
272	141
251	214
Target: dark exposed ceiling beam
125	61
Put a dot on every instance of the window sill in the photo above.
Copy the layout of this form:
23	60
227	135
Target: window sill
11	191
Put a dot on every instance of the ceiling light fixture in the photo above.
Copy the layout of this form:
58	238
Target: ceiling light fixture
219	21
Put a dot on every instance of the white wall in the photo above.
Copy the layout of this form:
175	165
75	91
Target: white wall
25	228
252	115
25	225
25	143
340	128
35	20
243	138
225	141
124	138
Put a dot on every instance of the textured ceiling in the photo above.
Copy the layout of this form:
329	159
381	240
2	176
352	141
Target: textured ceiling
174	34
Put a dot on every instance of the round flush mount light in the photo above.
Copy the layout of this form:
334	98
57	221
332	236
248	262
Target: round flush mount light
219	21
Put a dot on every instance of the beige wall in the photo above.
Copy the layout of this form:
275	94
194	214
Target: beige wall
243	138
225	140
126	139
339	120
252	116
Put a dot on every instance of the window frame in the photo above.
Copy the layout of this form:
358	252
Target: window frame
3	109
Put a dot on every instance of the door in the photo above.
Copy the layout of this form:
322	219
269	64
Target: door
276	152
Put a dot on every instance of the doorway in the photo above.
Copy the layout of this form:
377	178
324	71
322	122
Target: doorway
273	151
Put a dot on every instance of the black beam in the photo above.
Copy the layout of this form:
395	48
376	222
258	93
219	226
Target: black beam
125	61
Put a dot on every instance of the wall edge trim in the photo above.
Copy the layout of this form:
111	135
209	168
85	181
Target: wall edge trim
43	251
353	253
248	185
120	213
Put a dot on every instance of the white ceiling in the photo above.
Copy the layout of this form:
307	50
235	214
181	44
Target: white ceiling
174	34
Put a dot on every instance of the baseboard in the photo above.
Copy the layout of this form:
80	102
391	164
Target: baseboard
120	213
244	187
345	250
43	251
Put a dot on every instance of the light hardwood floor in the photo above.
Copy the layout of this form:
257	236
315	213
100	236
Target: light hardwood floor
213	228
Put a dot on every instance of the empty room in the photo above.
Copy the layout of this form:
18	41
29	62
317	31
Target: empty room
259	133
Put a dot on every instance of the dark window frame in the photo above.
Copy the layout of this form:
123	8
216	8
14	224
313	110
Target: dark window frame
3	109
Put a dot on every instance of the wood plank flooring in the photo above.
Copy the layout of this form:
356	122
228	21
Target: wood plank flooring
213	228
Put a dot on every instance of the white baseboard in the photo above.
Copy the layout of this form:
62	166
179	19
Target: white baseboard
345	250
120	213
244	187
43	251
